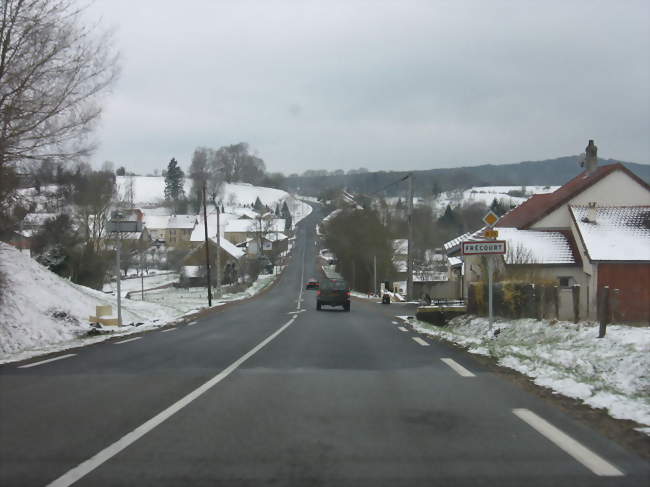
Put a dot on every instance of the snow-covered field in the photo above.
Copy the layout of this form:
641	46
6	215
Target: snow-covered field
42	313
481	194
135	284
190	300
150	191
612	373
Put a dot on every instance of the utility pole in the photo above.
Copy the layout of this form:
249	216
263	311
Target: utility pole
118	275
374	265
409	257
207	246
218	253
141	271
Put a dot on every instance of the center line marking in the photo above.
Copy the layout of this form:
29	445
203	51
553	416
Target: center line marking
83	469
584	455
166	330
420	341
401	328
46	361
127	341
457	367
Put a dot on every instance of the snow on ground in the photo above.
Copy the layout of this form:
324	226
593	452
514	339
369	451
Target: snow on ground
482	194
612	373
43	313
135	283
150	190
487	194
41	309
190	300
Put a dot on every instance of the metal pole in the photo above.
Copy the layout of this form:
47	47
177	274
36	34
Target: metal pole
490	272
141	273
119	278
409	258
207	246
374	284
218	253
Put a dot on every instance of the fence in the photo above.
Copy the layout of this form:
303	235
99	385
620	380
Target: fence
523	300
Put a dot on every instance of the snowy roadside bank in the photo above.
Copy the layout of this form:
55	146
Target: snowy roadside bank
612	373
42	313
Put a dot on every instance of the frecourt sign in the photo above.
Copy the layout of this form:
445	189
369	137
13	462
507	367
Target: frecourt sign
484	247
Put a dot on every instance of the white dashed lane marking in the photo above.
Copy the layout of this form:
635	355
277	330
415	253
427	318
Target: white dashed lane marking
419	341
459	369
127	341
581	453
47	361
168	329
401	328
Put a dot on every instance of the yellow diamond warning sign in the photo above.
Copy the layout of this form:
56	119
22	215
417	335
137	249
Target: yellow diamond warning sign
491	218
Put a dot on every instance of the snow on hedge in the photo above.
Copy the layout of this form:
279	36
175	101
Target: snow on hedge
612	373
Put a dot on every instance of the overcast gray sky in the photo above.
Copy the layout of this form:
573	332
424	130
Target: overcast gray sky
377	84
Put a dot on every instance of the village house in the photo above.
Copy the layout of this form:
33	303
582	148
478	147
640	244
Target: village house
193	271
241	230
174	230
593	232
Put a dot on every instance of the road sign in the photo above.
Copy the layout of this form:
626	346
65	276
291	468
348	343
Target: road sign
491	218
484	247
494	234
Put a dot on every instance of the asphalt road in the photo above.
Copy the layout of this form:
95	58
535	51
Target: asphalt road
271	392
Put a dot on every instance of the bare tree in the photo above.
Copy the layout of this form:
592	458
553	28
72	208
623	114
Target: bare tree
53	71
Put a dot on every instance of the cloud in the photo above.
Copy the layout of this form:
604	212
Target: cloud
378	84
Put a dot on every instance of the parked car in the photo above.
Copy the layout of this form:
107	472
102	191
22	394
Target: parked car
312	284
333	293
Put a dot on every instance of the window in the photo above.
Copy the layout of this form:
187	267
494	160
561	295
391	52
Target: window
565	281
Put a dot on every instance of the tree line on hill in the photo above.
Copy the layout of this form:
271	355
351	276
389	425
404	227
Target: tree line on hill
431	182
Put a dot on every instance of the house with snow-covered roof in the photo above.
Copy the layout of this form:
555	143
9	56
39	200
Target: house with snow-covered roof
193	271
614	245
175	230
589	232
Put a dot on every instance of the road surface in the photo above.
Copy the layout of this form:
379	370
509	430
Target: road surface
271	392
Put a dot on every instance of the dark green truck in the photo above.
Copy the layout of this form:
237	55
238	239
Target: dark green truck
334	292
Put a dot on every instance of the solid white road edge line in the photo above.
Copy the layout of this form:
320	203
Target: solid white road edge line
83	469
459	369
420	341
127	341
47	361
401	328
584	455
167	329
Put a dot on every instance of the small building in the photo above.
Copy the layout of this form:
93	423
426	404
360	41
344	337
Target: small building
238	231
229	257
174	230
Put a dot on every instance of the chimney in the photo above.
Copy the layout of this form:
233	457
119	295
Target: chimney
591	212
591	157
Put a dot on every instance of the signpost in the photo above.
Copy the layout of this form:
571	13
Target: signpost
487	247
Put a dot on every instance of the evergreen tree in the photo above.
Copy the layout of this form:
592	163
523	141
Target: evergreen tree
288	223
449	217
174	182
498	207
258	206
277	210
285	213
